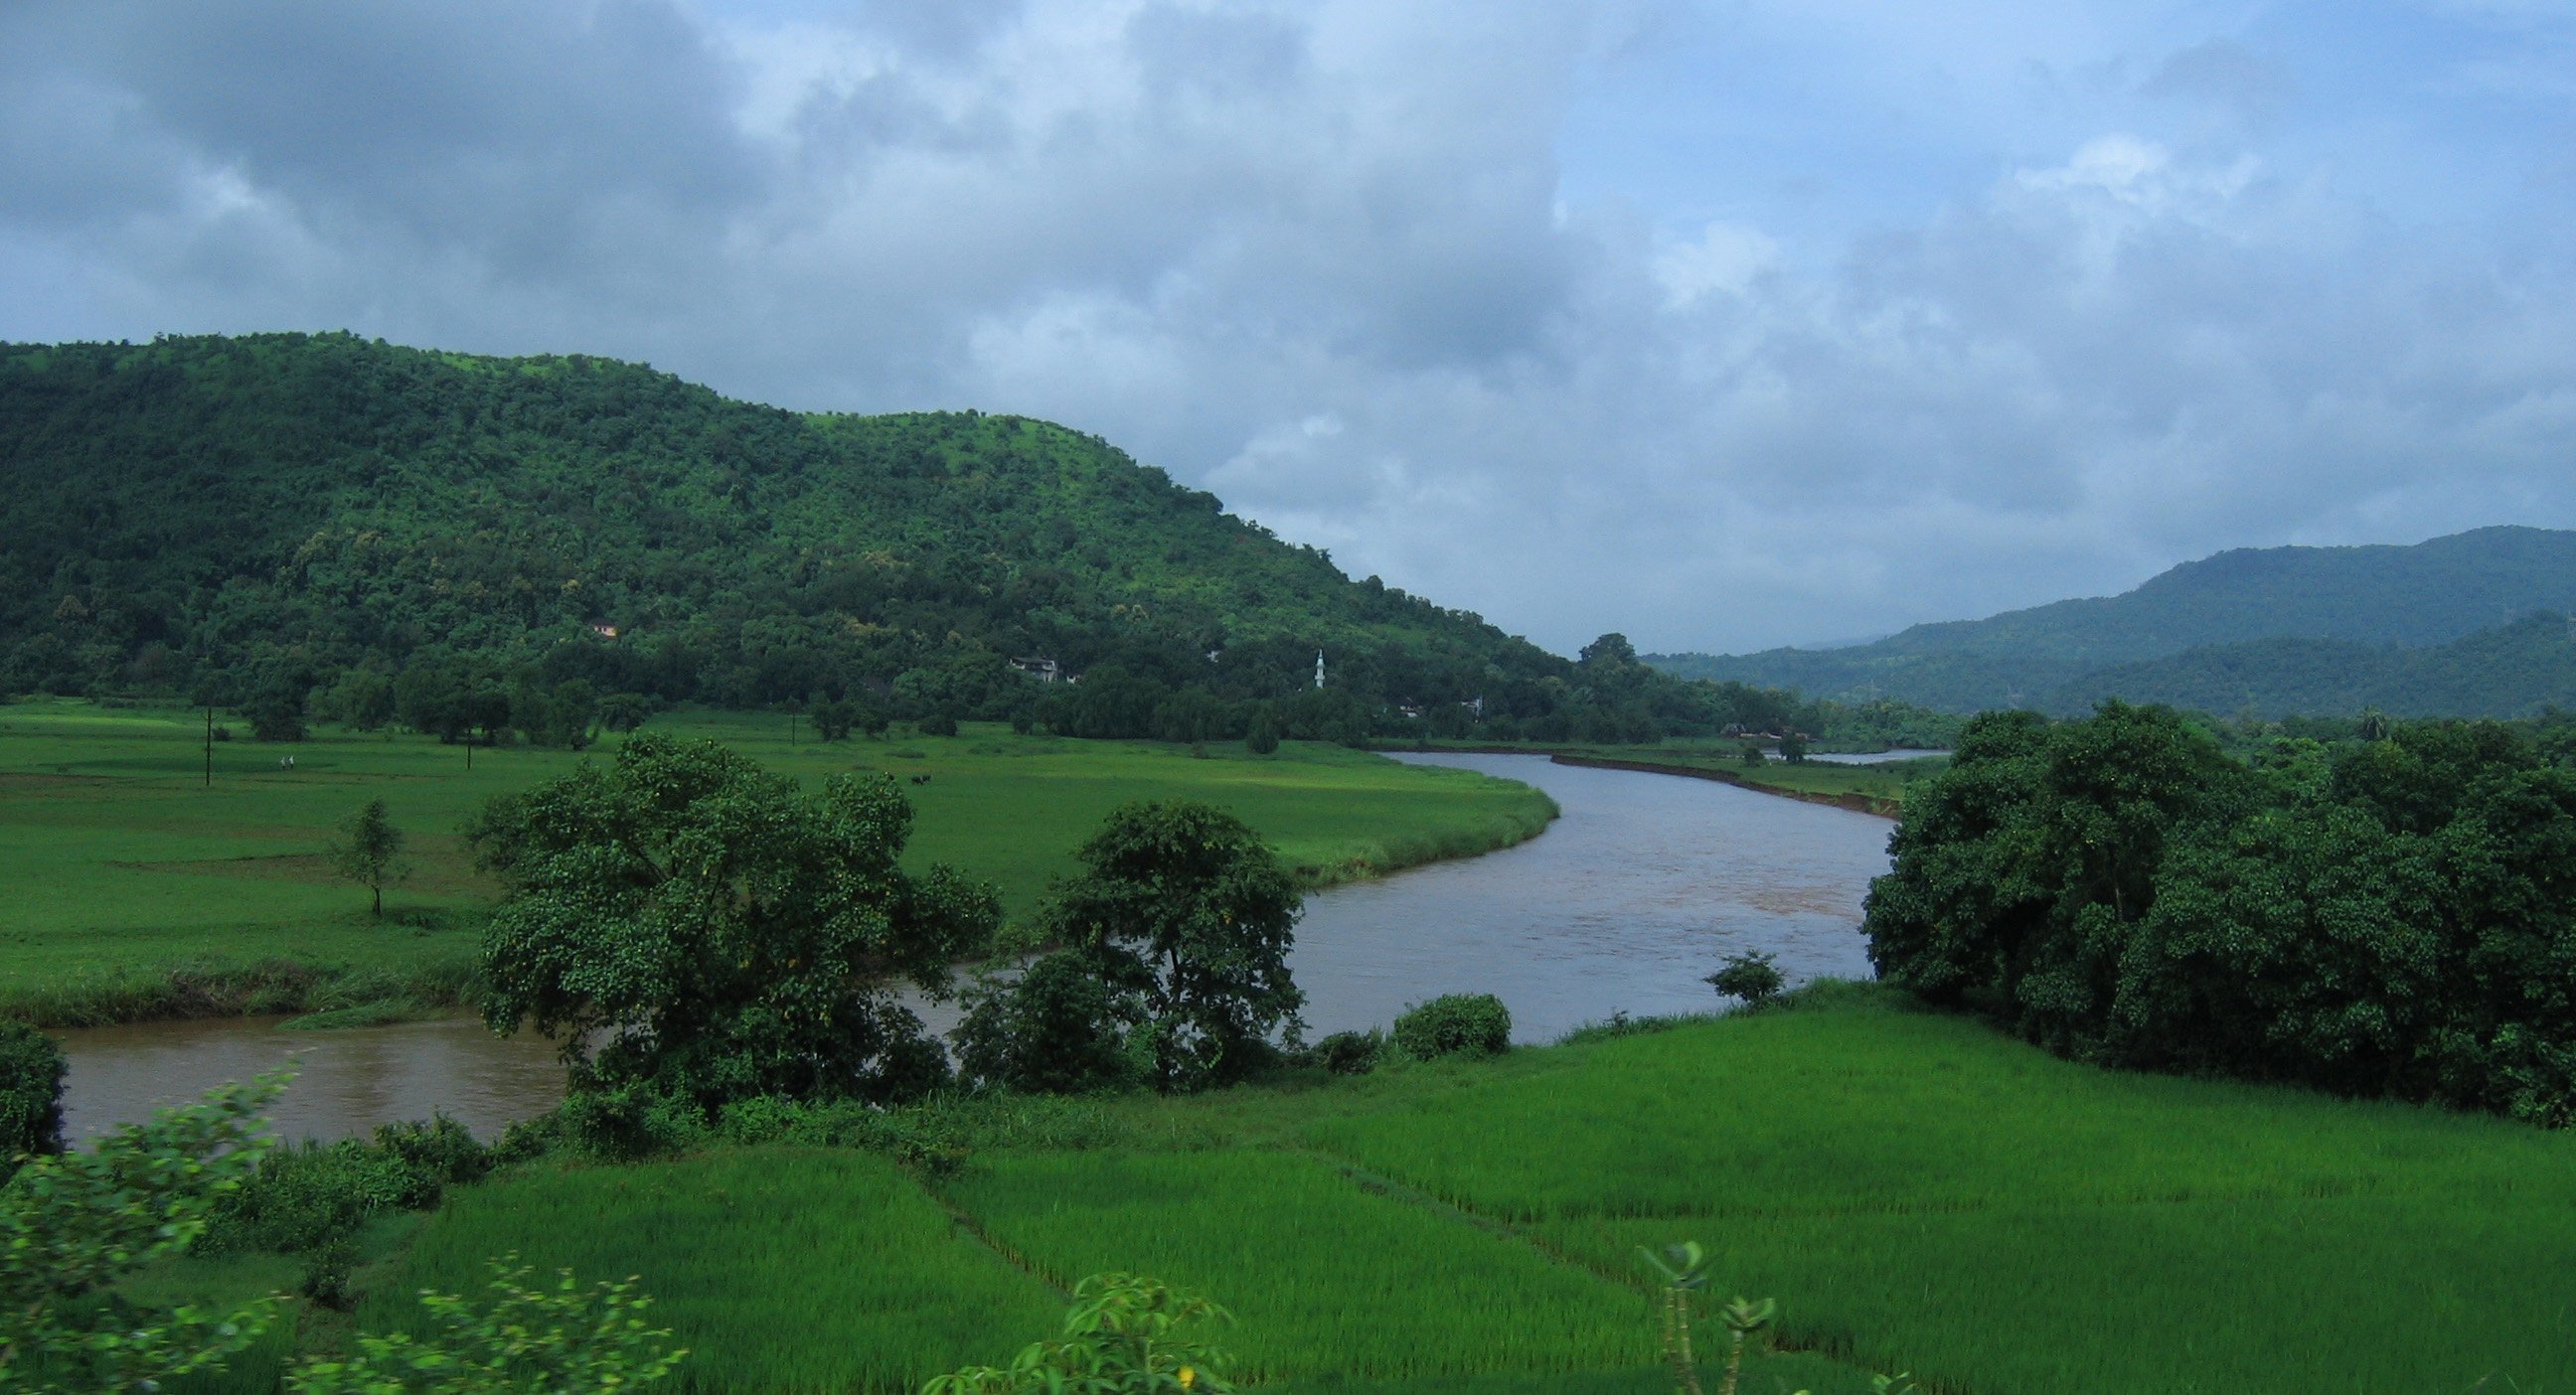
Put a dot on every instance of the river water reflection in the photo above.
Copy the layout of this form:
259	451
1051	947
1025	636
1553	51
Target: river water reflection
1623	905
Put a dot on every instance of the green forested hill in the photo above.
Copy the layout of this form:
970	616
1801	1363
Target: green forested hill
210	509
293	523
2347	602
2510	671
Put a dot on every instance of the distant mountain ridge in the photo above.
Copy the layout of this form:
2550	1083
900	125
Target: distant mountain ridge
2276	629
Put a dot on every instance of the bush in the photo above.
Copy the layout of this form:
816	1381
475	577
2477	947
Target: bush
937	724
1349	1053
1750	976
1124	1333
309	1197
1456	1024
527	1336
31	1094
630	1122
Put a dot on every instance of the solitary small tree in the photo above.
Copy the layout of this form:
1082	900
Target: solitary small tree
367	851
624	712
1264	736
1749	975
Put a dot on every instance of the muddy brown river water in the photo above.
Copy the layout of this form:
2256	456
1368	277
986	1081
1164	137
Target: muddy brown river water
1623	905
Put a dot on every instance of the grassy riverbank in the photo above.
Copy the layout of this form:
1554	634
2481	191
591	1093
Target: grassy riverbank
1870	789
139	890
1919	1193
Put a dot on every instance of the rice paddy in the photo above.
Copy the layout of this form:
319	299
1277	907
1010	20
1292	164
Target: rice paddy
780	1269
1917	1192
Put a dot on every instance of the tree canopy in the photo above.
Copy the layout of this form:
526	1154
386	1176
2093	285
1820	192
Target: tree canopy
2393	916
684	919
1173	966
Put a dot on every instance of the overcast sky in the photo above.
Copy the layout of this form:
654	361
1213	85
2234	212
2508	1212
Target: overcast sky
1724	325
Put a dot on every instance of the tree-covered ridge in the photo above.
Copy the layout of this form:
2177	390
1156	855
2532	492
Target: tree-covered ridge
211	509
2062	655
322	525
2516	670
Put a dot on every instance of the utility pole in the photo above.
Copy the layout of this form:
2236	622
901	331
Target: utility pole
210	745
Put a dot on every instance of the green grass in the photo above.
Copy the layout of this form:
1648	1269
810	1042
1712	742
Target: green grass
1922	1193
1323	1273
780	1269
1917	1191
139	891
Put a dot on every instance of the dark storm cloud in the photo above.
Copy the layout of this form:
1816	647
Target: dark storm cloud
2094	293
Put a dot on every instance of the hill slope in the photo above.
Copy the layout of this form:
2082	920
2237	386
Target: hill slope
2513	670
2352	598
203	513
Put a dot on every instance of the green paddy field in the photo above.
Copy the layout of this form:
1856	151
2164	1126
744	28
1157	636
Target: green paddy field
136	889
1919	1194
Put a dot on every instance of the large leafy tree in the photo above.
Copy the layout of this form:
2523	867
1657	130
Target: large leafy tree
1175	946
687	920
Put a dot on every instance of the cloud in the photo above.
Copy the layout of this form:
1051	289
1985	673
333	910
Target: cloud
2093	295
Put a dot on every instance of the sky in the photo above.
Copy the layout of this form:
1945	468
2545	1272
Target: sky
1723	325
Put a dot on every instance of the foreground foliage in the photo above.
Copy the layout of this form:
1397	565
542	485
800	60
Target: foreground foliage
689	923
31	1094
74	1226
1125	1335
557	1338
2393	916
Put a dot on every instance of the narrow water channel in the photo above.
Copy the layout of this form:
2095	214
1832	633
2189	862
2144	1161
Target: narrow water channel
1623	905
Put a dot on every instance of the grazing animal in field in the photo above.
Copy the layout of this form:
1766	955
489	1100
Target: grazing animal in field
921	779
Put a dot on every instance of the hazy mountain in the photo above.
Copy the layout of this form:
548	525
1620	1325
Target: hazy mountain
2361	599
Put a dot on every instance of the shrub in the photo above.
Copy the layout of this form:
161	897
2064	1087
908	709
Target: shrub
937	724
1456	1024
1750	976
1349	1053
75	1226
1125	1333
309	1197
526	1337
631	1121
31	1094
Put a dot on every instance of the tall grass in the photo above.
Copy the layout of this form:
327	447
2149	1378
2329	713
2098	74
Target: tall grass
1323	1274
780	1269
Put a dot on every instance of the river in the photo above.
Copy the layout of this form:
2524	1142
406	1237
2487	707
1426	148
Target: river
1623	905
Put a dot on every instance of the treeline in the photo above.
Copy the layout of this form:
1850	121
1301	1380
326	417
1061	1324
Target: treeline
2393	914
578	690
313	527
